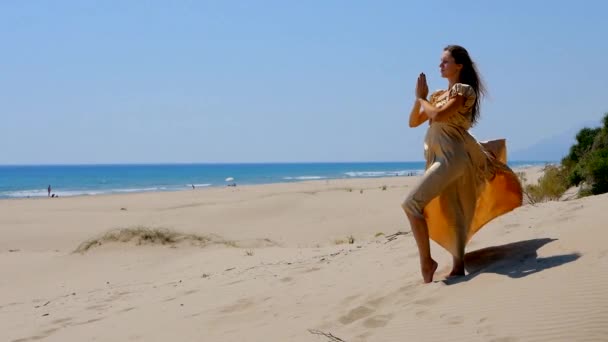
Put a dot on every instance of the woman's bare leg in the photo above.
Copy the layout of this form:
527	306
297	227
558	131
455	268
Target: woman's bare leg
421	234
437	177
458	267
458	260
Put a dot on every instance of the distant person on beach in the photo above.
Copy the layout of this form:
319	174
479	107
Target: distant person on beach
49	190
466	184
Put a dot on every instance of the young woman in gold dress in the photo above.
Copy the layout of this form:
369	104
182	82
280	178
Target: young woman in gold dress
466	183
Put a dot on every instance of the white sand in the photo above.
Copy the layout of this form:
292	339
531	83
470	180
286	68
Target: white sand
537	273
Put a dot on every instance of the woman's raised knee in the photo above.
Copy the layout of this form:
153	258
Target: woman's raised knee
411	207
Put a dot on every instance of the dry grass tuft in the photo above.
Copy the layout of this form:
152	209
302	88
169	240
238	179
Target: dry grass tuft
349	240
550	186
141	235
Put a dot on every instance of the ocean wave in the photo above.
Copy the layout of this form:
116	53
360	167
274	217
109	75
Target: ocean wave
24	193
370	174
44	193
304	178
160	188
91	192
199	185
529	165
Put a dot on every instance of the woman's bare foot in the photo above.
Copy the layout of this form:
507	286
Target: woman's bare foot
458	268
428	270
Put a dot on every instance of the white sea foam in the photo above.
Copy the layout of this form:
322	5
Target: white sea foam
199	185
304	178
25	193
70	193
161	188
370	174
44	193
525	166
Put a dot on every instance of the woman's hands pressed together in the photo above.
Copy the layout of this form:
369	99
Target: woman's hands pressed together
422	89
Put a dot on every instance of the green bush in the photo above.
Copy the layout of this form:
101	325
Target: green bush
586	165
584	142
597	168
551	186
587	162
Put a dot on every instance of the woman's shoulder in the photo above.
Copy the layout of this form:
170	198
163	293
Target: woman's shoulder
436	94
462	89
466	91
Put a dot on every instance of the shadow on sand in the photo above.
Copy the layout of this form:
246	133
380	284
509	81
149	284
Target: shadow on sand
515	260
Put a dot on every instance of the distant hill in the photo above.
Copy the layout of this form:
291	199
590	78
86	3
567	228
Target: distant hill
550	149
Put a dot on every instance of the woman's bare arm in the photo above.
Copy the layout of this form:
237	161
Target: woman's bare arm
417	116
452	107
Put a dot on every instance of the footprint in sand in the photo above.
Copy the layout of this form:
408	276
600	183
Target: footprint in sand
311	270
484	329
421	313
426	301
240	305
40	336
349	299
376	302
452	319
234	282
117	295
377	321
356	314
92	320
363	311
96	307
61	320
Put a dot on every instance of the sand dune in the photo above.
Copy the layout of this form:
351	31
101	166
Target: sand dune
284	270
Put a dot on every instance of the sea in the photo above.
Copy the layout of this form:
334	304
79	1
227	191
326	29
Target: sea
28	181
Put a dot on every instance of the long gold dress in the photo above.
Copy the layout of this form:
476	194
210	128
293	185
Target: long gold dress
466	183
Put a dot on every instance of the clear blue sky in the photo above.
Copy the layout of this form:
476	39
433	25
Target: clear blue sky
281	81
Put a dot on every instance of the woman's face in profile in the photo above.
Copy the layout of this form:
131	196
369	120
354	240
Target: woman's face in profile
448	66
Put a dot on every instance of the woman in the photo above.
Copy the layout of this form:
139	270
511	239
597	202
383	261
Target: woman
466	184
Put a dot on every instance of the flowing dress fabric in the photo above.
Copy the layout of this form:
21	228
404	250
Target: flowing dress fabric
466	183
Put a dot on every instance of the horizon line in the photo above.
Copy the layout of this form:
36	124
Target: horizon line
240	163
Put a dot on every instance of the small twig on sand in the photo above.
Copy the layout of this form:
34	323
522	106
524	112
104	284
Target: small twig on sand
331	337
392	237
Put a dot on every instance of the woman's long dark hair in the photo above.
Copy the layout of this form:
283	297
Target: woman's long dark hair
468	75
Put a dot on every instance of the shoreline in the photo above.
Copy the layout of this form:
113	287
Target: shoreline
534	169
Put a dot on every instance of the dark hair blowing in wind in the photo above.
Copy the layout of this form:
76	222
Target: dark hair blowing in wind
468	75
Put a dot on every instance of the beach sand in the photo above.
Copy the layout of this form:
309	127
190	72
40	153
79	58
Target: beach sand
290	262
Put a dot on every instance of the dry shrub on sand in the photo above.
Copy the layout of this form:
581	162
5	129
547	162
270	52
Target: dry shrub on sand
141	235
550	187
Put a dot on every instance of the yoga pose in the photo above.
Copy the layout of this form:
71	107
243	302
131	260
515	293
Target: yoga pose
466	183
